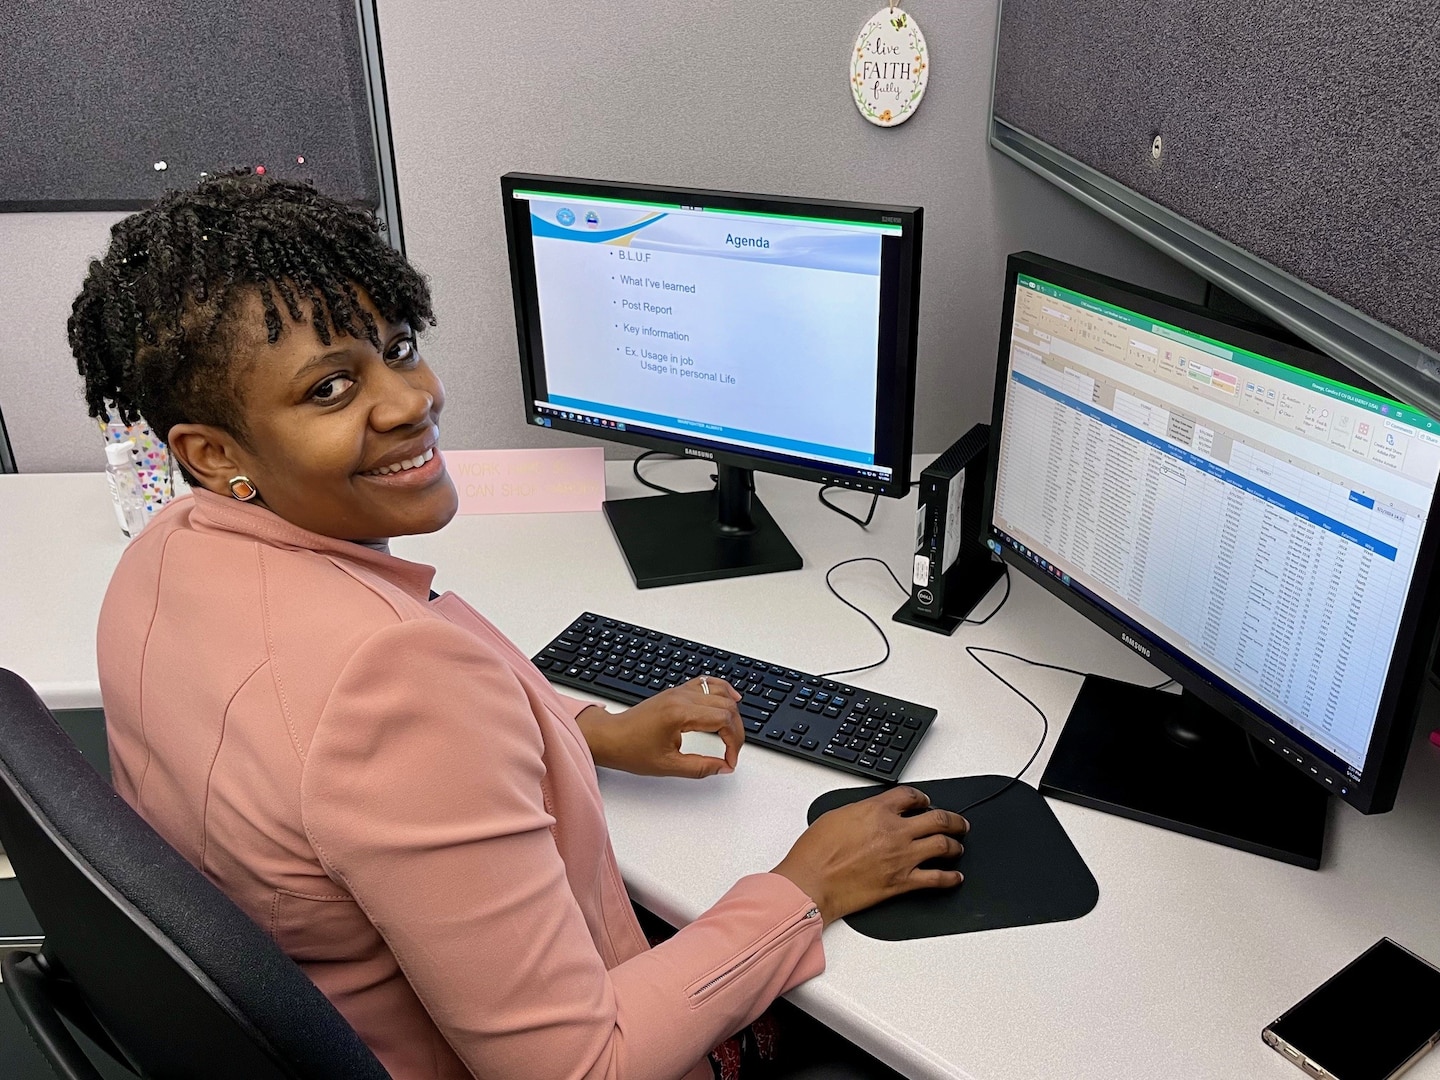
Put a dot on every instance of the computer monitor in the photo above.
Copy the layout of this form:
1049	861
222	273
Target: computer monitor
756	331
1254	519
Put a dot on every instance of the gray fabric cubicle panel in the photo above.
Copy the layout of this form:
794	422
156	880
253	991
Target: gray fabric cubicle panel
1304	134
94	94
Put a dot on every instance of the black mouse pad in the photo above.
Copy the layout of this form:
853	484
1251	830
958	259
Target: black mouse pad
1019	865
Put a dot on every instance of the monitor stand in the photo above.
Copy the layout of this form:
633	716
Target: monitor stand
700	535
1173	761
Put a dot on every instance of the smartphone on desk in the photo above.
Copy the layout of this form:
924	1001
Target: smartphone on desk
1370	1021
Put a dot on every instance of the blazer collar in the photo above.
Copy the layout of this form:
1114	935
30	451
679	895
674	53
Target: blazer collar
246	519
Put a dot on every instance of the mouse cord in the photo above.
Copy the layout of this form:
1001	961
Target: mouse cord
974	652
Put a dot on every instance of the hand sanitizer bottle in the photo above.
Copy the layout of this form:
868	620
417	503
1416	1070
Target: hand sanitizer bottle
125	487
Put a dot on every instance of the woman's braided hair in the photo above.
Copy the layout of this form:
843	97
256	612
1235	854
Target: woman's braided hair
150	329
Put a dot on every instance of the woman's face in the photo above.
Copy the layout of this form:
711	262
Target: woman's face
329	424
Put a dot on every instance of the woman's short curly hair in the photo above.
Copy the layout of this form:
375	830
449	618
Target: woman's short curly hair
150	329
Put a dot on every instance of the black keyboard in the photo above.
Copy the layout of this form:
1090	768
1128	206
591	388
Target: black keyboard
796	713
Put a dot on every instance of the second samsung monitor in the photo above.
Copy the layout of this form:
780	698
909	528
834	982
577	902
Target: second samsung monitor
1250	516
760	332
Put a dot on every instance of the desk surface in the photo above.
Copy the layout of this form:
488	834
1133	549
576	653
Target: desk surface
1191	950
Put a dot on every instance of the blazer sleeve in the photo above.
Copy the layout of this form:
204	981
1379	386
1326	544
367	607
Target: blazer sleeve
422	795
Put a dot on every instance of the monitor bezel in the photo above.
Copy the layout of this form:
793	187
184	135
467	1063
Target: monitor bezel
902	417
1415	640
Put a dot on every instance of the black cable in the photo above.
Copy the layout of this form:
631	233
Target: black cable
981	622
864	614
901	586
973	651
875	499
635	468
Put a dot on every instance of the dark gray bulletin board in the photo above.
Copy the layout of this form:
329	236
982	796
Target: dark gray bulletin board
93	93
1305	133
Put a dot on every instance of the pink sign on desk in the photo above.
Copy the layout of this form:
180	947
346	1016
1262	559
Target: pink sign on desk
554	481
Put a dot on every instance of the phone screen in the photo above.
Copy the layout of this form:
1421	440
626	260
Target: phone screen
1368	1020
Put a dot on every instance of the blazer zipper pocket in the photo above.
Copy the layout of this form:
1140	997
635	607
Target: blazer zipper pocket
753	957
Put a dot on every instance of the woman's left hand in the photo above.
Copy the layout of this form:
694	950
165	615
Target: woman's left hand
645	738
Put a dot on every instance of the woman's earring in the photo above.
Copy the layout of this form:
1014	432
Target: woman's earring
242	488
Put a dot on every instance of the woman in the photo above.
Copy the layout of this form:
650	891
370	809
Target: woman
373	773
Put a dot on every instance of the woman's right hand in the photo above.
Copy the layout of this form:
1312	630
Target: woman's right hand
857	855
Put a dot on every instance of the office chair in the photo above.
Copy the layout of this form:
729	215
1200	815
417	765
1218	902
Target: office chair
142	953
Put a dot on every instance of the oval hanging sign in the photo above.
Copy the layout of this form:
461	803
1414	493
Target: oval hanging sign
889	67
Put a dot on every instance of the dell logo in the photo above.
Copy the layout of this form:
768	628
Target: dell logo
700	453
1141	649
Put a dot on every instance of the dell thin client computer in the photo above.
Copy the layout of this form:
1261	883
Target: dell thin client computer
757	332
1254	519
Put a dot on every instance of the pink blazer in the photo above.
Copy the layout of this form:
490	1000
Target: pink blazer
393	791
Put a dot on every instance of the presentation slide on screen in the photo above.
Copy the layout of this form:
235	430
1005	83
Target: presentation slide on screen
756	330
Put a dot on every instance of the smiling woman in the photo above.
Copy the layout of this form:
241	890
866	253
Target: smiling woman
374	773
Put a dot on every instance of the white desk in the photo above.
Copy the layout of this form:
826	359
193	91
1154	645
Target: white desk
1192	949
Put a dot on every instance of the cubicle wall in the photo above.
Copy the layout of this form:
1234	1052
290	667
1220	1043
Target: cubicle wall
1286	151
747	95
108	105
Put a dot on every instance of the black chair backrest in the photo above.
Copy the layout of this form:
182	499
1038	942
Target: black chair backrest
177	976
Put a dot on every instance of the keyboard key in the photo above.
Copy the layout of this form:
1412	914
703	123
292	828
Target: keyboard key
750	712
775	695
822	697
832	711
614	683
797	703
856	744
809	744
874	749
847	729
912	722
900	742
814	706
754	725
802	728
887	764
792	739
774	733
868	762
841	753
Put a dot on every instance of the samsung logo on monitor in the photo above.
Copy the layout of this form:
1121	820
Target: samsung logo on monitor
1141	649
746	241
700	453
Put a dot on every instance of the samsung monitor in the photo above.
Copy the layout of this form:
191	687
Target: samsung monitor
1248	515
759	332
